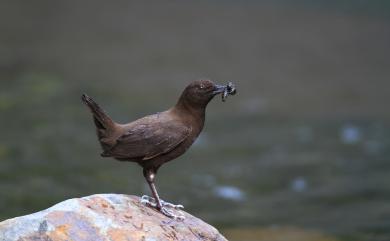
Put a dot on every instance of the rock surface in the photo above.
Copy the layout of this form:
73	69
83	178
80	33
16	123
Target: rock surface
108	217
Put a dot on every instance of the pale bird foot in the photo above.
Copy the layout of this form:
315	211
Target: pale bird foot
149	201
171	205
152	202
170	214
146	200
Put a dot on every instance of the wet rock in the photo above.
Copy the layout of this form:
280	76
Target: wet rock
105	217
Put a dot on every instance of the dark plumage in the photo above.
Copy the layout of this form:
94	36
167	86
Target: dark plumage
155	139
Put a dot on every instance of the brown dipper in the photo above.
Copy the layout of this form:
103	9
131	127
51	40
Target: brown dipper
156	139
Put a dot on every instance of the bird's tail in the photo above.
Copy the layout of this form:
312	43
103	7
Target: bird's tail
101	119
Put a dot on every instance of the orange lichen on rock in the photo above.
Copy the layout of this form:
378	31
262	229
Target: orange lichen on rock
118	234
59	233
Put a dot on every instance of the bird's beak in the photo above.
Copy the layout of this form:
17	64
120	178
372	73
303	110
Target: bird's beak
219	89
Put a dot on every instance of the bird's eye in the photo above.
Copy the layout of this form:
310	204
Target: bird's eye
201	86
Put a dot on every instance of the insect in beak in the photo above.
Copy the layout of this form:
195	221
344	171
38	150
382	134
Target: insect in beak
230	90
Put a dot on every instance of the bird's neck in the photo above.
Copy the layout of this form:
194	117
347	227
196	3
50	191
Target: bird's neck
188	112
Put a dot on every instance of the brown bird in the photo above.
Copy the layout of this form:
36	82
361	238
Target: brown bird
156	139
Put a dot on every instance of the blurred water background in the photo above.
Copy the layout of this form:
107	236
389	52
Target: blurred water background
301	153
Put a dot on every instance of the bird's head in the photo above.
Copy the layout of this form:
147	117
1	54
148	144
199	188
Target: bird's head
199	93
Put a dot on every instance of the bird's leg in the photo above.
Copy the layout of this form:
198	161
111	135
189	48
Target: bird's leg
156	202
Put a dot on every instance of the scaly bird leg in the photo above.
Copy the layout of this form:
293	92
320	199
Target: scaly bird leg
156	202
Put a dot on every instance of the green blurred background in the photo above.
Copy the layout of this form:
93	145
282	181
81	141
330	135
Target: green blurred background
301	153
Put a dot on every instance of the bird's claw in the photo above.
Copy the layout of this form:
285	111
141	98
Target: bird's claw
146	200
170	214
152	202
171	205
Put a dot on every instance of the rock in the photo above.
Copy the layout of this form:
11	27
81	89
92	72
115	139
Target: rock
105	217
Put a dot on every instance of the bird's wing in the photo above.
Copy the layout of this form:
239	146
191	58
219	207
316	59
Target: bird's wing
148	140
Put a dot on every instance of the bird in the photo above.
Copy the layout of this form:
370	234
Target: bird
156	139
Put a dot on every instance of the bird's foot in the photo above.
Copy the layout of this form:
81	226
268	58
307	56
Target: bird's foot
171	205
146	200
170	214
152	202
163	207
